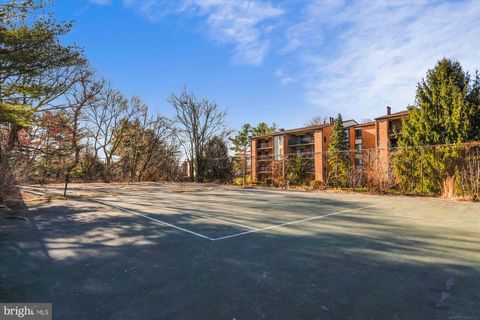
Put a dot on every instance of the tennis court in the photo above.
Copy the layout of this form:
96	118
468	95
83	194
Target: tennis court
151	251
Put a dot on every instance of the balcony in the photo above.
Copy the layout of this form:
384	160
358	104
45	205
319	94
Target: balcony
395	127
264	145
264	170
301	141
394	131
305	155
261	157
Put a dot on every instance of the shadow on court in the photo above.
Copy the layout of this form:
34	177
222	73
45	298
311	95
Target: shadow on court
121	266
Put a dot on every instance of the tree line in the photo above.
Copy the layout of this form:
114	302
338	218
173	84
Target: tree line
60	119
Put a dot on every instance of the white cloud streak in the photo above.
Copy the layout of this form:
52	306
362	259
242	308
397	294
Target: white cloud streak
370	54
353	57
243	24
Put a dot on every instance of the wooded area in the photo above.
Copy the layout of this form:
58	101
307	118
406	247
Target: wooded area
61	121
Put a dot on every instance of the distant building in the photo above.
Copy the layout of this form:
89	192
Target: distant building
313	141
187	169
388	127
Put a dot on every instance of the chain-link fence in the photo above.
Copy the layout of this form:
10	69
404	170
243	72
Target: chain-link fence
451	170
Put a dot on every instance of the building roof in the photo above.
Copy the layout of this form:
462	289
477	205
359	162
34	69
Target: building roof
347	123
276	133
393	115
366	124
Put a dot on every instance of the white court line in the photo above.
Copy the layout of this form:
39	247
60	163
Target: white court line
204	216
241	233
156	220
292	222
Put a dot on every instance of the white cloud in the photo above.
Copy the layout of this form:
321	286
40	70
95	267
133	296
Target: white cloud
353	57
370	54
244	24
241	23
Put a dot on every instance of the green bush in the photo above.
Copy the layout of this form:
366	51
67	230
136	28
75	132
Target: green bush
239	180
297	170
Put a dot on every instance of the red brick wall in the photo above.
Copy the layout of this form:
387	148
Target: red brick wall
351	138
253	153
382	134
318	149
368	136
327	132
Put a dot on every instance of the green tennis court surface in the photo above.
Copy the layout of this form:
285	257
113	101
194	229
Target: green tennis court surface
162	251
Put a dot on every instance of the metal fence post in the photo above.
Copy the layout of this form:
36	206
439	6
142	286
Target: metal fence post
421	169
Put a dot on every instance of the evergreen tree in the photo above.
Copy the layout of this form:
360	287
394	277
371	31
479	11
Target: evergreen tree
263	128
297	170
447	108
338	156
241	146
218	166
36	68
447	111
33	59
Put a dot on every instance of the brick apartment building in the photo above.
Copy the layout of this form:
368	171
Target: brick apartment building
313	141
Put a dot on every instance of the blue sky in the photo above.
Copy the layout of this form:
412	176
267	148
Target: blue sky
281	61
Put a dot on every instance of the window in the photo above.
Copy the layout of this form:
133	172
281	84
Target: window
395	126
299	139
358	134
393	143
358	146
358	162
325	139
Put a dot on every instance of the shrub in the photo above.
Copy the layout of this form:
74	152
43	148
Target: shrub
297	170
317	185
279	182
239	180
9	178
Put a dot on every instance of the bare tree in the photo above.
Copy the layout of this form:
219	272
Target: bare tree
198	121
84	93
317	120
158	144
108	118
147	148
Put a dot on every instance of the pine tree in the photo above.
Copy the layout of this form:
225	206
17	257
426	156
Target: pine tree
447	111
337	155
262	129
241	146
447	108
218	167
297	170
